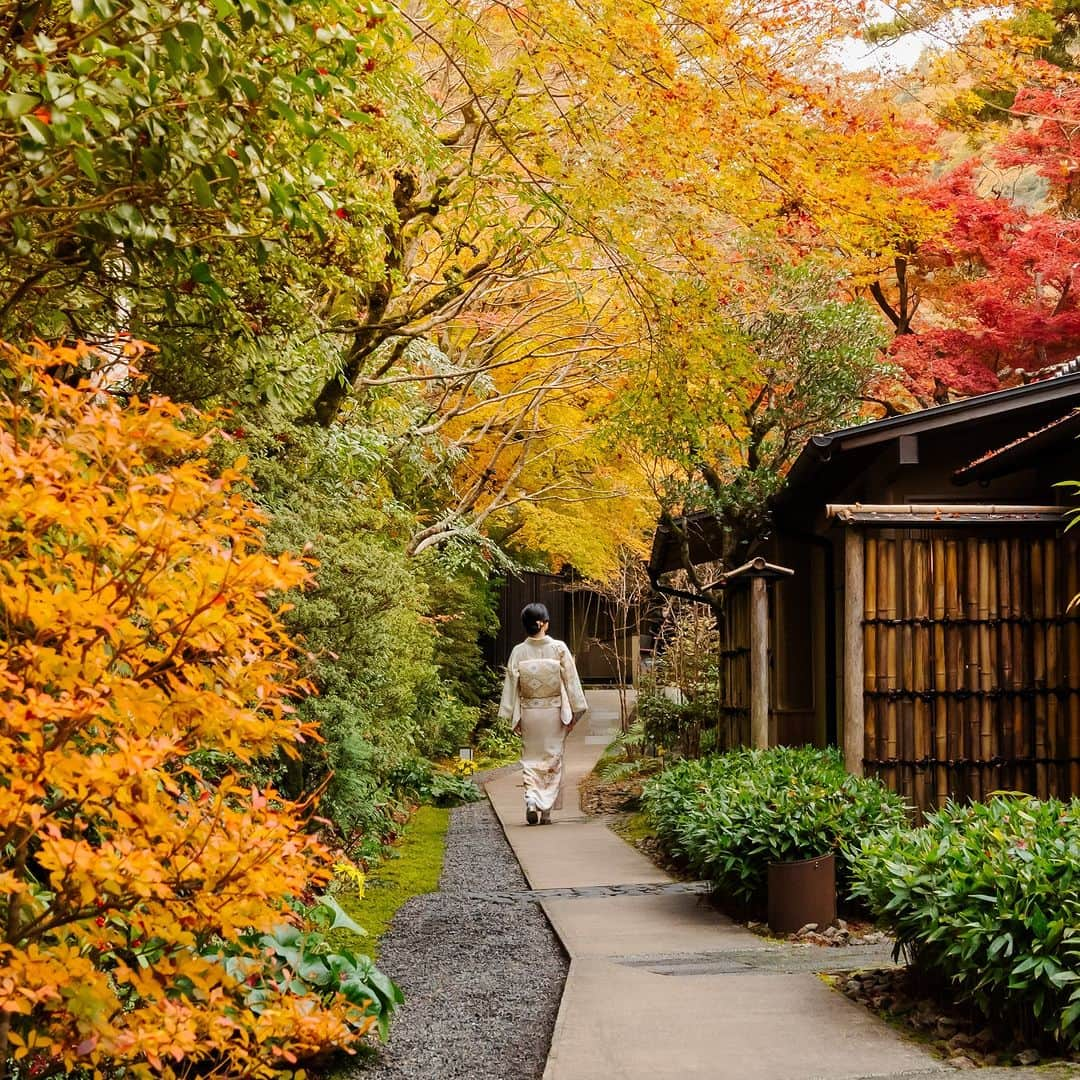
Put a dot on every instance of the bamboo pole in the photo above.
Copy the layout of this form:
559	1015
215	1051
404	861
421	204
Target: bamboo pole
940	711
1023	708
1038	637
871	680
759	663
954	672
1004	657
1052	604
998	706
881	710
855	744
971	666
919	608
1007	669
892	709
1072	662
905	733
987	609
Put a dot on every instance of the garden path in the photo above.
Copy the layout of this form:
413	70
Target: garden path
661	984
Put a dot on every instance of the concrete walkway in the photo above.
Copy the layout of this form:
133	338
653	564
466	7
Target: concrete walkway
663	986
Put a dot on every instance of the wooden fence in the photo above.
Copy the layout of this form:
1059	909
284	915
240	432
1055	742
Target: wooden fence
733	722
971	663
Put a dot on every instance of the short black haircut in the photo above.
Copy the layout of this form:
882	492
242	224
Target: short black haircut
532	615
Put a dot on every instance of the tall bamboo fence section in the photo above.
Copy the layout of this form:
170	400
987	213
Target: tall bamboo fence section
733	724
971	663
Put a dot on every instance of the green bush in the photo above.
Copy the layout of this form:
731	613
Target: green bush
987	898
444	724
663	719
688	727
421	781
728	816
392	641
495	739
303	962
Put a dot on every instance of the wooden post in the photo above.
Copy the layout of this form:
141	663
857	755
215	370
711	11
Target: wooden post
759	663
854	709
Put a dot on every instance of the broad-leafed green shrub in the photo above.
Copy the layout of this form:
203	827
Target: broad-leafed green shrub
418	779
730	815
987	898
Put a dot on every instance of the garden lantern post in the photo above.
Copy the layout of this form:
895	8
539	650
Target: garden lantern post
760	735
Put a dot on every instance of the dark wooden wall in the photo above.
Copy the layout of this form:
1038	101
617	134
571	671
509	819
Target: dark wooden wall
579	616
734	721
516	592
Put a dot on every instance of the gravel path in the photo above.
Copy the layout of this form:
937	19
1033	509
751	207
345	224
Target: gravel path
482	979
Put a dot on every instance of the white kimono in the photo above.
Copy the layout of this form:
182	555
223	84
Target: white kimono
542	695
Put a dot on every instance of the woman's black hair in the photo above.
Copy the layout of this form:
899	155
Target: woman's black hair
532	615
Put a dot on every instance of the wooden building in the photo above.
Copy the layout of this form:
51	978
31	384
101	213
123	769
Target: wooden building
606	643
925	627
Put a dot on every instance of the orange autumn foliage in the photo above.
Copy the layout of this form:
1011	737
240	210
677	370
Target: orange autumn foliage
137	650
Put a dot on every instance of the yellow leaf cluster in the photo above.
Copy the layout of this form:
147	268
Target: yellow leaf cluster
140	665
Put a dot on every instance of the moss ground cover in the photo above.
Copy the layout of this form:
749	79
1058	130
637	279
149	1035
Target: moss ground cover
412	870
634	827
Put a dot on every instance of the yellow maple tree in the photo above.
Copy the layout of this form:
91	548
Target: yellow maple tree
140	670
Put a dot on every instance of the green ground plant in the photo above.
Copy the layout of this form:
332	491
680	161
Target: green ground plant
985	899
420	780
728	816
627	756
496	743
412	869
300	961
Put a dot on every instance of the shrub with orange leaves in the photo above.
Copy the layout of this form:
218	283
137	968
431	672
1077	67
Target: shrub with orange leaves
136	646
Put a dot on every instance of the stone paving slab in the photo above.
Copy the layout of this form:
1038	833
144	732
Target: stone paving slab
1055	1071
620	1023
788	959
664	924
592	892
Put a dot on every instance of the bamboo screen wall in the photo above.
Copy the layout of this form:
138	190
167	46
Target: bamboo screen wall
734	721
972	664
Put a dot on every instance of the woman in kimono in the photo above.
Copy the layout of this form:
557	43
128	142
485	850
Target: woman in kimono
543	699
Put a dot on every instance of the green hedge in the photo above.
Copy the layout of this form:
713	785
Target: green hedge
987	898
728	816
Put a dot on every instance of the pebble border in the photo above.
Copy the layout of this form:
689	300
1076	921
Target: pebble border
482	971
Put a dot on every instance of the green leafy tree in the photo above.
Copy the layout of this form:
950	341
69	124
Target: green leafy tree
192	173
731	396
391	640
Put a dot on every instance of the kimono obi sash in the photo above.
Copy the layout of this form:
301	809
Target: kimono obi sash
540	684
539	679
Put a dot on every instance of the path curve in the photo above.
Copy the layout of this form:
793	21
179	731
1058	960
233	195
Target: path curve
482	976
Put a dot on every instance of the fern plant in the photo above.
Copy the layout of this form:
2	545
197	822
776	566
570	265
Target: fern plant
626	756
